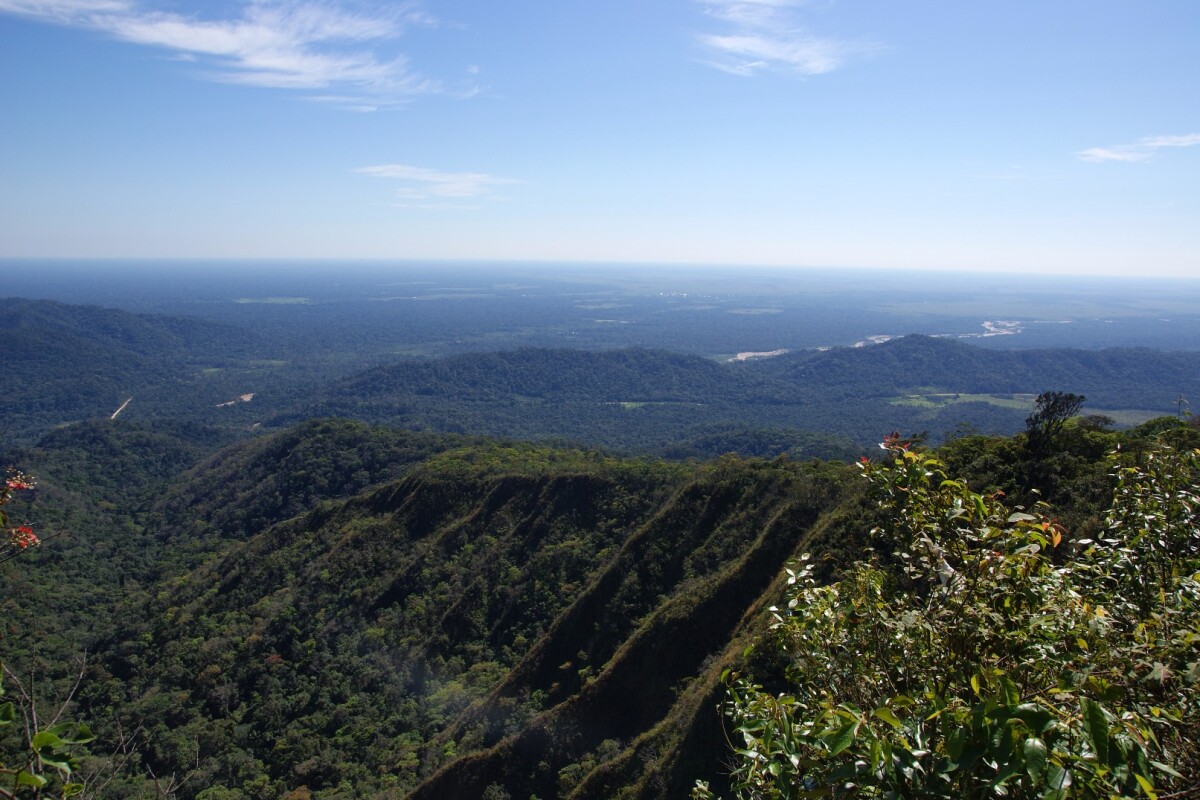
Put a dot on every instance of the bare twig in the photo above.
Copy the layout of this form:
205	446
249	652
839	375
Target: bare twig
71	694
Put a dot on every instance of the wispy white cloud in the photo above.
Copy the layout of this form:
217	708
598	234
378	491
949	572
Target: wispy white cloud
431	188
284	44
1142	150
1118	153
1185	140
65	10
765	35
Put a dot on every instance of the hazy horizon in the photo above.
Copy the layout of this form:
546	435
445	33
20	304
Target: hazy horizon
704	309
302	265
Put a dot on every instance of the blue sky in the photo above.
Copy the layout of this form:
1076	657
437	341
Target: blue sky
1018	136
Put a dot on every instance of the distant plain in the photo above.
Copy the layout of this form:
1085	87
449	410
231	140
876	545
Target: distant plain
439	308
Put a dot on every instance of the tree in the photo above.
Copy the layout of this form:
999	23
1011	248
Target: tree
16	538
46	762
977	666
1050	414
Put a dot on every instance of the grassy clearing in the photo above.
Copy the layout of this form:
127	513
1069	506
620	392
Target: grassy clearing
932	400
1128	416
1021	402
275	301
630	405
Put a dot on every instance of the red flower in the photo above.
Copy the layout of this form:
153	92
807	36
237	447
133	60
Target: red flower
23	537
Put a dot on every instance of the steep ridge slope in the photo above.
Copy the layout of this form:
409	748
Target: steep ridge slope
648	626
496	591
121	505
91	479
245	488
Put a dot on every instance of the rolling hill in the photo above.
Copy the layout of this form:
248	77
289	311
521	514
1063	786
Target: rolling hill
73	362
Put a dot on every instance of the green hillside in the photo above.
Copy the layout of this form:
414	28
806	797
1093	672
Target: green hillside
354	644
66	363
83	362
355	611
278	604
1111	379
654	401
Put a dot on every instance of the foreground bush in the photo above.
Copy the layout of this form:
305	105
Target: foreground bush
993	658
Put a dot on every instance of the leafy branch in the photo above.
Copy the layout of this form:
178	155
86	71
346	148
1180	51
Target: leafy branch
991	660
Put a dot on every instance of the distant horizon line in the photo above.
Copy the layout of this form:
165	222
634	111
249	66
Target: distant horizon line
280	261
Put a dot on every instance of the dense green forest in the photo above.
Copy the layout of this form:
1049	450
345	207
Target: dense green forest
82	362
340	610
528	573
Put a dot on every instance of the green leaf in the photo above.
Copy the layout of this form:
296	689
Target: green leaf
955	742
83	734
7	715
972	752
1095	727
840	739
887	715
29	779
46	740
1146	785
1058	778
1004	776
1165	768
1035	717
57	761
72	789
1010	694
1035	759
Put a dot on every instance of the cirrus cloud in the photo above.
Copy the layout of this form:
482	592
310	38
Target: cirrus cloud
282	44
430	188
764	35
1142	150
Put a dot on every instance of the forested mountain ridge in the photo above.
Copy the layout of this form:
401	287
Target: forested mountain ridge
600	376
285	603
547	581
352	611
1111	378
647	400
122	505
242	490
81	362
151	335
66	362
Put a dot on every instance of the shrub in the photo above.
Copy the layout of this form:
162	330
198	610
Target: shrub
992	659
